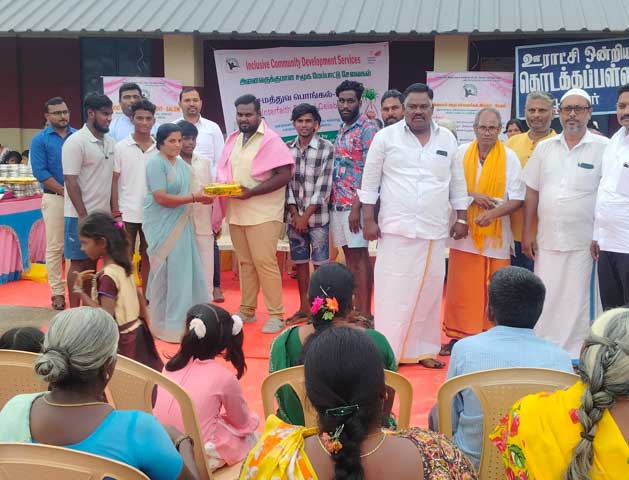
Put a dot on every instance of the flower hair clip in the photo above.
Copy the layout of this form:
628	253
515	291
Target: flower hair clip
328	305
119	224
332	443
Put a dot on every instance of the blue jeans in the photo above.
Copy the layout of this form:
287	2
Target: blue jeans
312	245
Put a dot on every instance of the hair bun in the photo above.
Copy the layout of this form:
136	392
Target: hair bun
53	366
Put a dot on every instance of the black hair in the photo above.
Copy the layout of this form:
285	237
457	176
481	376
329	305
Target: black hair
517	123
143	104
622	89
12	154
218	338
188	129
96	101
101	225
330	280
393	93
26	339
26	153
125	87
346	85
53	101
248	99
343	368
164	131
186	90
516	297
419	88
304	109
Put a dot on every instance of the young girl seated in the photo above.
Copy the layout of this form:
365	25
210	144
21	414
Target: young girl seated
114	288
227	425
26	339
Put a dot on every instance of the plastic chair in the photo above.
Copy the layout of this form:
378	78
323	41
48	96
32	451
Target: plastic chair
17	375
131	388
497	390
27	460
294	377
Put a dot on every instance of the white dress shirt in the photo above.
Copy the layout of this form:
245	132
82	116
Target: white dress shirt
514	190
416	183
201	176
611	224
567	181
210	141
130	164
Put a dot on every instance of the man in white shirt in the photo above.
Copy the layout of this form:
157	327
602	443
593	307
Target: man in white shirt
122	125
492	174
88	164
210	142
410	166
611	225
128	187
562	178
201	213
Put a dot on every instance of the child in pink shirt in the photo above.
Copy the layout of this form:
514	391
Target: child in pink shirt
227	425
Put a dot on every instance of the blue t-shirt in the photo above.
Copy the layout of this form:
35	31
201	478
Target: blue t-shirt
137	439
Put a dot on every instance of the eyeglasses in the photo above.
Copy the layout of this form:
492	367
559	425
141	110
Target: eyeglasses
59	113
483	129
578	109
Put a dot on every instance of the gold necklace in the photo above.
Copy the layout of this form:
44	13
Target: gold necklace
86	404
384	436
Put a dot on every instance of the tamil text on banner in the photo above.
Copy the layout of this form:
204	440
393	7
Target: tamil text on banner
162	92
459	95
597	66
287	76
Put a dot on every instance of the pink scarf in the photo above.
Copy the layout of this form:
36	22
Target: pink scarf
273	153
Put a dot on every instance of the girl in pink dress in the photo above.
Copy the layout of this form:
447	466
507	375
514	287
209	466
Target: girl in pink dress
227	425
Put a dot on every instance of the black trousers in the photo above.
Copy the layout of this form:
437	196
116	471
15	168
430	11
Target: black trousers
613	277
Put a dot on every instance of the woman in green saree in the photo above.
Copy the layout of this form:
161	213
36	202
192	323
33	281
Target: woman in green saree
331	285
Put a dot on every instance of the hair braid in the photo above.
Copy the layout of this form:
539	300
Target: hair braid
347	465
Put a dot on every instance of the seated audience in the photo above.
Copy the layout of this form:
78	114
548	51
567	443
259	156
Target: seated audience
516	297
227	425
25	155
330	294
114	288
345	384
580	433
513	127
77	360
26	339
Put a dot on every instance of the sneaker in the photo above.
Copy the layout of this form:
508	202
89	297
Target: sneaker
218	296
246	318
273	325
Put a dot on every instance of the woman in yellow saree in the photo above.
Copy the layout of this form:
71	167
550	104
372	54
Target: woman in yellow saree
345	384
579	433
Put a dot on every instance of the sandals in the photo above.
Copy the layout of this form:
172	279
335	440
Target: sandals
446	349
58	302
432	363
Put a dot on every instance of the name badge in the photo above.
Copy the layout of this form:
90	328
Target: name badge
442	153
587	166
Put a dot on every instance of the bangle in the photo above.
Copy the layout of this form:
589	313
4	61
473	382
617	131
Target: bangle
460	220
181	439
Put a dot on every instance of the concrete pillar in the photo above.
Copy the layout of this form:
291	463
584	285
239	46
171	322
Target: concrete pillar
183	59
451	53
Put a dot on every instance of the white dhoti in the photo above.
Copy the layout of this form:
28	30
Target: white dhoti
408	277
572	297
205	245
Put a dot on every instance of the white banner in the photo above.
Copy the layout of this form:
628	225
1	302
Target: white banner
162	92
287	76
459	95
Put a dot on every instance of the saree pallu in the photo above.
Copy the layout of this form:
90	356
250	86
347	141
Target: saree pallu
177	280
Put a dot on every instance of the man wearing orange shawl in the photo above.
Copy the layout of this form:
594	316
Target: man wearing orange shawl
492	174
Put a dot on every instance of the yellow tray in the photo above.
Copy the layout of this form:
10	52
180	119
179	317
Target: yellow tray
18	180
223	189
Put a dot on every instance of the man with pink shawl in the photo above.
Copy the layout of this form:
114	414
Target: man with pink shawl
256	158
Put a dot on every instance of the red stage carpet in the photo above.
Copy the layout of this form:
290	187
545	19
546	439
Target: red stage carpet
425	382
